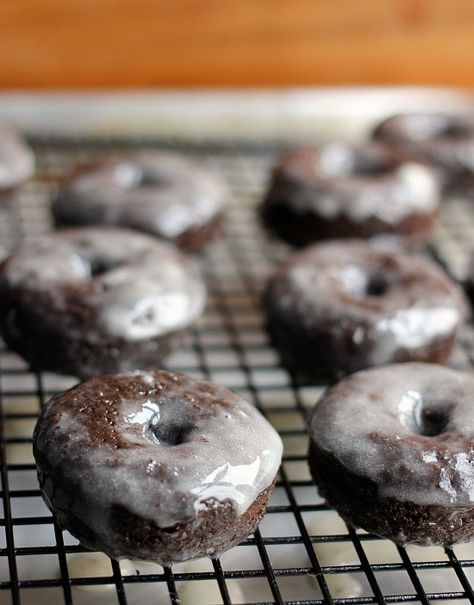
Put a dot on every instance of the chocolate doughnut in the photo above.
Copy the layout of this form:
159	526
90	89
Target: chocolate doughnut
392	450
155	465
446	141
97	300
346	191
17	162
338	307
156	192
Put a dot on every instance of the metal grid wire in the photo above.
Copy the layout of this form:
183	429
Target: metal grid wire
302	553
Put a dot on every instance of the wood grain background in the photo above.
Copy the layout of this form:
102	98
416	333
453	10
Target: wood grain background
141	43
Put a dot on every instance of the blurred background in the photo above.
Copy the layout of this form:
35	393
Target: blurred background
51	44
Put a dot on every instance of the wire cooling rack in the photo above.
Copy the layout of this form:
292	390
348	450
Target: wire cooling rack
302	553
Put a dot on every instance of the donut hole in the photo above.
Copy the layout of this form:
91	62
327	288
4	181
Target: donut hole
169	435
369	166
372	160
377	285
426	127
100	266
361	284
146	180
421	417
433	422
453	130
130	176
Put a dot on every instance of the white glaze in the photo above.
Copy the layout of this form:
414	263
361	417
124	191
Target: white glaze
149	290
229	453
157	298
335	188
183	196
413	328
44	262
413	189
233	481
335	160
387	402
17	162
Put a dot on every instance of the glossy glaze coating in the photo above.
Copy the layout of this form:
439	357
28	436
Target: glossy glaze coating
94	286
156	192
405	434
17	161
342	190
160	446
367	305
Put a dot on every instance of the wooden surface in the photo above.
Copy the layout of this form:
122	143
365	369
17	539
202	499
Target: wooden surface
140	43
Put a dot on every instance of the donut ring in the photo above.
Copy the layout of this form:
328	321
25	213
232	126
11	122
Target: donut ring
392	449
338	307
159	193
94	300
445	141
345	191
17	162
155	465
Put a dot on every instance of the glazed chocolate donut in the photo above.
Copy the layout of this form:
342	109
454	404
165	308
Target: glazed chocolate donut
392	450
338	307
446	141
155	465
156	192
17	162
96	300
345	191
